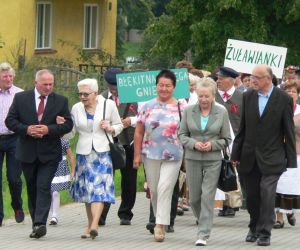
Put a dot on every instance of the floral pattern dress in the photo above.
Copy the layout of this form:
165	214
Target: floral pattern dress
93	181
161	123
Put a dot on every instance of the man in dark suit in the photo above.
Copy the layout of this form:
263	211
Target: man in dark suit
32	116
128	114
263	148
231	98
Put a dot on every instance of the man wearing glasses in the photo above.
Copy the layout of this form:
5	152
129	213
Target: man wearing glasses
264	148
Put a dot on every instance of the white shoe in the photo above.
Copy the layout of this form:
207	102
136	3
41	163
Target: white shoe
53	221
200	242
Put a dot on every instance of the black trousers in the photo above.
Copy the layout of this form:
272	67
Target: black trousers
13	172
128	189
261	192
174	203
38	178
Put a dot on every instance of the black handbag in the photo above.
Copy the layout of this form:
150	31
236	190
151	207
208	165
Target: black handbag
227	180
118	154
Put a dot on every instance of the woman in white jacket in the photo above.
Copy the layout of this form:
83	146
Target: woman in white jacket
93	180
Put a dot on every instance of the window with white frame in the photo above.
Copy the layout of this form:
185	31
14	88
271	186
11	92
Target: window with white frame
43	25
90	30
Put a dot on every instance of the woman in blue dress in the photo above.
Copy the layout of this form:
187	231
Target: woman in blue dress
93	180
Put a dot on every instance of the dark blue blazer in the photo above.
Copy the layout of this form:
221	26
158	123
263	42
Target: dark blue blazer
23	113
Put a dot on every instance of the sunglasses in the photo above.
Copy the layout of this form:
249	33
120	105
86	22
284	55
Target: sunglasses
84	94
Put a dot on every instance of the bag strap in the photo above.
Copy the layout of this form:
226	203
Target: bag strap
179	112
104	109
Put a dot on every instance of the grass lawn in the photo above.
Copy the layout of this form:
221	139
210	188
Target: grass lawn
65	197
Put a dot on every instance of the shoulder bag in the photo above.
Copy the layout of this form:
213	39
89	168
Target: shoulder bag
118	154
227	180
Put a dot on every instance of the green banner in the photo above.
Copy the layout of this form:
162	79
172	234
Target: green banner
140	86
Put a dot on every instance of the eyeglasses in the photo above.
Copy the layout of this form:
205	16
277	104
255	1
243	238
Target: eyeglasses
84	94
257	78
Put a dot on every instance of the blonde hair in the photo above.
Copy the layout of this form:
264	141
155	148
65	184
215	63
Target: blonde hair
207	82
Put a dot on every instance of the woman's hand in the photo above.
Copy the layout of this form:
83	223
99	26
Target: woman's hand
105	125
203	146
207	146
137	161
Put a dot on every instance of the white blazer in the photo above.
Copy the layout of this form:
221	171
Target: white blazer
95	138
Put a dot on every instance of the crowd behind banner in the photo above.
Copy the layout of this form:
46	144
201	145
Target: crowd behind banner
178	142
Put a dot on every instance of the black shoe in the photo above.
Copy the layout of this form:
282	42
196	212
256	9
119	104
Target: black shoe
101	222
251	237
221	213
125	222
38	231
180	211
150	226
19	215
263	241
229	212
278	224
93	233
169	229
291	219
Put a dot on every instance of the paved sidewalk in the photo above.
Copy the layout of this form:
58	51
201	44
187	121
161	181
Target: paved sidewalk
228	233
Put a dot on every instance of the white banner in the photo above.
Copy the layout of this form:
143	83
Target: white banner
243	56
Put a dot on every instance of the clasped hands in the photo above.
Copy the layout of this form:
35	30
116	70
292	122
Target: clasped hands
37	131
203	146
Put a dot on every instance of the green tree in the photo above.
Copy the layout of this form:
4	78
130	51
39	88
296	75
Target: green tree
159	7
204	27
138	12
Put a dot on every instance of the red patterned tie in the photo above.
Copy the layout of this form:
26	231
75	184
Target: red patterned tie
41	108
226	96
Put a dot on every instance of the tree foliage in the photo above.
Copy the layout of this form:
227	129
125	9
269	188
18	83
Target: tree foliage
138	12
204	27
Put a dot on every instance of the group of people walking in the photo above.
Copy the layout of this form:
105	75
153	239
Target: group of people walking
162	135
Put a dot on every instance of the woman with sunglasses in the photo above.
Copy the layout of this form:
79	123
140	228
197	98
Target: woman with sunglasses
93	180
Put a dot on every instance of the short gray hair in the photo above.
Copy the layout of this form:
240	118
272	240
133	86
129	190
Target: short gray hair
41	72
92	83
5	66
207	82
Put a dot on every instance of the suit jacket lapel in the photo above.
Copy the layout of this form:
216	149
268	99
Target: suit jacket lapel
49	105
32	106
212	116
196	116
255	104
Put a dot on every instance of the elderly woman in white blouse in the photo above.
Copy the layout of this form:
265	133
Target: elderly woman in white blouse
93	182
